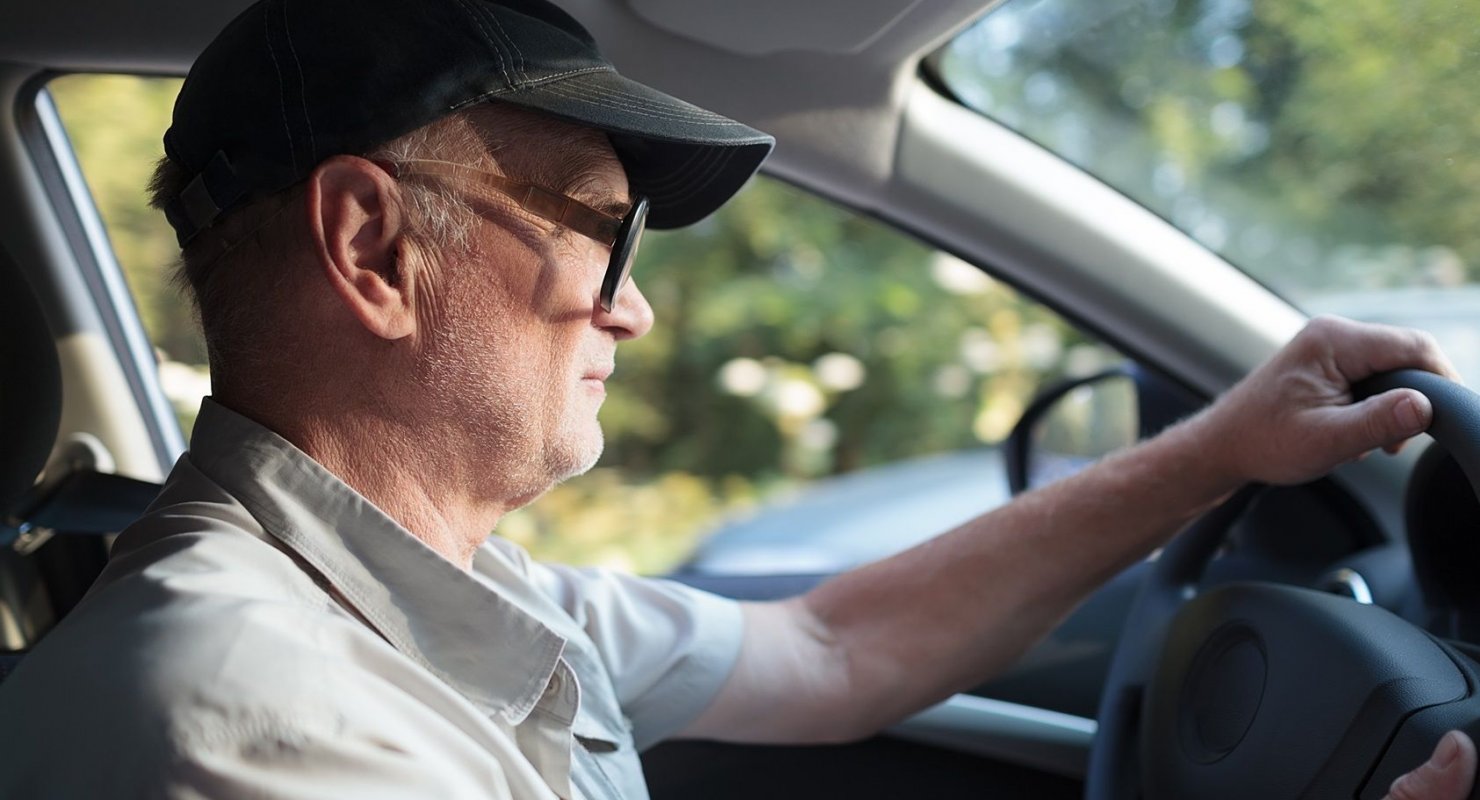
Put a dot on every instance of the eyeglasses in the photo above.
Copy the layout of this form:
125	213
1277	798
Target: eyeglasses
621	233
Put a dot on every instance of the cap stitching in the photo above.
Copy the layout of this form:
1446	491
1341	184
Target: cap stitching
313	146
678	106
579	94
505	59
487	35
282	97
650	110
681	107
657	112
560	75
519	66
494	92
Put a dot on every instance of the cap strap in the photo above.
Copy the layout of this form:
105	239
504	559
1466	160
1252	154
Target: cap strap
214	190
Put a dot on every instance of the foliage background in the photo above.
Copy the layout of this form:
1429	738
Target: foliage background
1325	146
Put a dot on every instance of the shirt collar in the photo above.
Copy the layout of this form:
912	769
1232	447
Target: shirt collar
464	631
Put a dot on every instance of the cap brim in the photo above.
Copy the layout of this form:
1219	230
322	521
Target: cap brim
687	161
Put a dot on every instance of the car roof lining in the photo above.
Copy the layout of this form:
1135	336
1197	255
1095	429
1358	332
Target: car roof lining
819	26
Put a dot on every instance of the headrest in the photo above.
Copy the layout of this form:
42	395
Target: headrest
30	386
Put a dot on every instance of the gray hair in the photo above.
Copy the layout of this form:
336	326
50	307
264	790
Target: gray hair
229	273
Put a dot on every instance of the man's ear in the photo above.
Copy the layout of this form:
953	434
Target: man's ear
357	225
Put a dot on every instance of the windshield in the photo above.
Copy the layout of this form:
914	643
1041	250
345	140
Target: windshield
1330	148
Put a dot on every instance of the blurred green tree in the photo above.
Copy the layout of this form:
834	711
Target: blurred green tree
1321	145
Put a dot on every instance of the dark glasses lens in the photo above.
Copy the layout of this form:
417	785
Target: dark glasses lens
624	252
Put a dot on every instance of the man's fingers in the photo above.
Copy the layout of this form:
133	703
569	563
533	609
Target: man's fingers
1301	400
1385	420
1362	349
1448	775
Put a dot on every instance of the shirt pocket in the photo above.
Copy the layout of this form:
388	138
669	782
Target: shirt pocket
608	756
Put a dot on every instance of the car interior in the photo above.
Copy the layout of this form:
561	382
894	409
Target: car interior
861	119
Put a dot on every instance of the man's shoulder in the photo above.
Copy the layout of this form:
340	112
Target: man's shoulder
198	568
200	629
197	610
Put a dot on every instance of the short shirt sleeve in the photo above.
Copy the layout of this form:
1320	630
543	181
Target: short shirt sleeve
668	647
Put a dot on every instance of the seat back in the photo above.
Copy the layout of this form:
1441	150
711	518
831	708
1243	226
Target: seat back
30	402
30	387
73	508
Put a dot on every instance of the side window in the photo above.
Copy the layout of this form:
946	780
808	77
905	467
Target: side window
116	124
819	389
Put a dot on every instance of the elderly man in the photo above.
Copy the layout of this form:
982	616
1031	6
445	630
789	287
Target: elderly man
408	229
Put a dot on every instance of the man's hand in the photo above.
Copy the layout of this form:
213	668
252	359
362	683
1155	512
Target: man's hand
1293	419
1447	775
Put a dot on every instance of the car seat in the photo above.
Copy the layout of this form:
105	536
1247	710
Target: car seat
51	543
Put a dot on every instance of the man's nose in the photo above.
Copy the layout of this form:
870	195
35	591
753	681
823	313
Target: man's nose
630	317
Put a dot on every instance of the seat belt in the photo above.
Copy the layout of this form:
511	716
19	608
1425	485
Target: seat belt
85	503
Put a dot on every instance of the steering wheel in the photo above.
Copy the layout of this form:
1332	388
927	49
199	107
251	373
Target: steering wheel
1263	690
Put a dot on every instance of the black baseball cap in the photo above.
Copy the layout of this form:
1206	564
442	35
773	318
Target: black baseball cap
289	83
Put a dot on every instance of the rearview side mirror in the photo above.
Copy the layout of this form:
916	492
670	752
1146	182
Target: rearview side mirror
1075	423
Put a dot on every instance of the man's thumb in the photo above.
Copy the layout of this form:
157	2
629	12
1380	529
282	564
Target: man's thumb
1448	775
1383	420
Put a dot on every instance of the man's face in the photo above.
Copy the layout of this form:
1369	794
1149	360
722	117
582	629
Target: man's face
516	340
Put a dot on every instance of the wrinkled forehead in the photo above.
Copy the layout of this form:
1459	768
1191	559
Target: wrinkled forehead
571	159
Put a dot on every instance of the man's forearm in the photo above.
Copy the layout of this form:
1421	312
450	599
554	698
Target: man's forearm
943	616
885	640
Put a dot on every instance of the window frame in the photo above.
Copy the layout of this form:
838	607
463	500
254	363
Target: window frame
54	160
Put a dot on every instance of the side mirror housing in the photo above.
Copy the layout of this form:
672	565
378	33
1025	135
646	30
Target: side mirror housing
1074	423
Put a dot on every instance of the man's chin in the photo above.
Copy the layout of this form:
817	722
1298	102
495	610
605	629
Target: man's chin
558	473
582	468
580	459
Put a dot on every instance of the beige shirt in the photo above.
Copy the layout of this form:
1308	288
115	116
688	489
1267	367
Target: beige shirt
265	631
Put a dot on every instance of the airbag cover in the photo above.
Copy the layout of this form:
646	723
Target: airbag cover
1273	691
